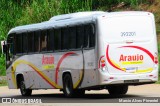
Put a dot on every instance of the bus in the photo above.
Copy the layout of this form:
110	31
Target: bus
83	51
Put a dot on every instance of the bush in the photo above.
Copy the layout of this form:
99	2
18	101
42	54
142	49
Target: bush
2	65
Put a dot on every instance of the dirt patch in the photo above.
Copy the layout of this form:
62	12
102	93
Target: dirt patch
2	78
3	81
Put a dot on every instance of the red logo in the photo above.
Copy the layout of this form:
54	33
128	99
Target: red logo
137	57
48	59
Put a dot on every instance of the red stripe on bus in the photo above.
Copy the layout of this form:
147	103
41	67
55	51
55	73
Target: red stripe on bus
42	76
59	63
108	59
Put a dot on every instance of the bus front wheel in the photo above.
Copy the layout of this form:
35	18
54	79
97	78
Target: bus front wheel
118	90
23	90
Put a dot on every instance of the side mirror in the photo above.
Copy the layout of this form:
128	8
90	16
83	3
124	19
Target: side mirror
4	46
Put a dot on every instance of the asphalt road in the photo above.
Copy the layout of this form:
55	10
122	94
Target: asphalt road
100	96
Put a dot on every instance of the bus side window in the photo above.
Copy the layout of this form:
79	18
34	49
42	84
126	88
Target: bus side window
43	38
14	44
57	40
64	38
18	43
31	42
25	42
10	47
37	41
92	36
50	40
11	40
86	36
72	38
80	36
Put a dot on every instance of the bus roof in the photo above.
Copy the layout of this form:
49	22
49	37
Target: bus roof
69	20
57	21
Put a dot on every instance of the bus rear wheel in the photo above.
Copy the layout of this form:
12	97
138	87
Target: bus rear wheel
118	90
68	86
23	90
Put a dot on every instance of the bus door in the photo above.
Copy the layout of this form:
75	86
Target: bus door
89	55
89	68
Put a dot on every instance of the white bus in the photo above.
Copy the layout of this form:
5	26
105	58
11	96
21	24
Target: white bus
83	51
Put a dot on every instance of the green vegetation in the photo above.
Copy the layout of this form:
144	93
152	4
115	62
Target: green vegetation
2	65
3	83
158	82
22	12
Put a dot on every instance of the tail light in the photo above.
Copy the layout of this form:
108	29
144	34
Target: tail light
156	58
102	63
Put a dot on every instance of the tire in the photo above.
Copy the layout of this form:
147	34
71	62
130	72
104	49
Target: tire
118	90
23	90
68	86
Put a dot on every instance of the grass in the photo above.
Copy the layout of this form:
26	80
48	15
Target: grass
2	65
3	83
158	82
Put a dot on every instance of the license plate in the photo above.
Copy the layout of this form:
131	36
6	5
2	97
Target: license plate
131	69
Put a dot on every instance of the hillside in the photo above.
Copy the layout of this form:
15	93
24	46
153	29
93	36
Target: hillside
22	12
